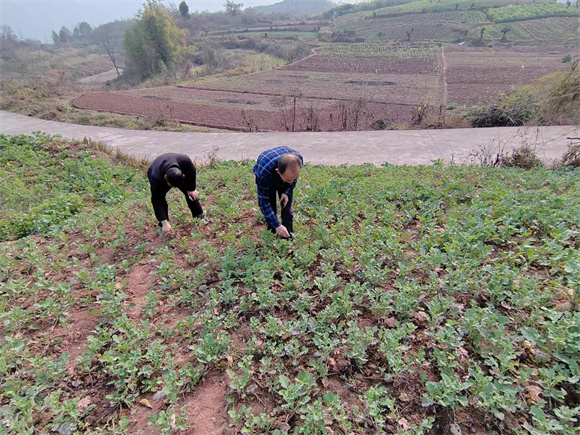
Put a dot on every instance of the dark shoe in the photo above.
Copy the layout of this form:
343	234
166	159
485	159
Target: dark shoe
202	219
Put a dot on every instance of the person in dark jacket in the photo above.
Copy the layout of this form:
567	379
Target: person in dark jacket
167	171
277	170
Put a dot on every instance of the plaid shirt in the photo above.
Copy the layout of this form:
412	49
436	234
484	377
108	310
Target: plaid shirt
265	171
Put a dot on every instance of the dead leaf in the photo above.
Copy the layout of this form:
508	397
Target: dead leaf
534	392
454	429
564	307
403	424
172	422
230	360
283	427
118	286
84	403
420	317
145	403
391	322
404	397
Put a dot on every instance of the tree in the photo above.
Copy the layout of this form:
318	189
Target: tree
85	29
82	31
233	8
504	32
64	35
184	10
109	38
154	43
8	43
409	31
481	32
7	33
55	38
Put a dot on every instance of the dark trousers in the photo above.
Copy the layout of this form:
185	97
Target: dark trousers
276	191
160	207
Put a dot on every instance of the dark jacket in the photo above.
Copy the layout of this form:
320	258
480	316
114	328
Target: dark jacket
159	187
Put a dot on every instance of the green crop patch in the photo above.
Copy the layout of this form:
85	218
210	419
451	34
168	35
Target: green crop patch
43	182
411	300
531	11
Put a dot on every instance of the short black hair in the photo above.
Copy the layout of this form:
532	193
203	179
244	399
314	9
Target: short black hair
289	161
174	176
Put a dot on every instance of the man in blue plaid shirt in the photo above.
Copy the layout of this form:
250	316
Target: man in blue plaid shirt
277	170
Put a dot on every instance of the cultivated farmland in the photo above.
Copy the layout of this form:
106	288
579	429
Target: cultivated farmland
416	56
342	87
412	300
551	29
478	75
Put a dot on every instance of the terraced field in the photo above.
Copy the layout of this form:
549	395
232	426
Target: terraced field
416	54
446	26
480	74
551	29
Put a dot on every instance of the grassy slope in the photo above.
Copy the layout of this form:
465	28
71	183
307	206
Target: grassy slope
409	296
49	63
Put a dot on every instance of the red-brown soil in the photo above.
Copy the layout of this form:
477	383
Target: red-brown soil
313	95
206	409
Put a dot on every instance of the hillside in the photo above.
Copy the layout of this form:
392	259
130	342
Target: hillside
296	7
412	300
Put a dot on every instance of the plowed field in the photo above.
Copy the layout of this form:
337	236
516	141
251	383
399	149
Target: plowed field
342	88
243	112
481	74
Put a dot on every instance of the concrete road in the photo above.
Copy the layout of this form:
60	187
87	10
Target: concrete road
411	147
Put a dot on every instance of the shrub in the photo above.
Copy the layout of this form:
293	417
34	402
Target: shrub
514	110
560	95
571	158
524	157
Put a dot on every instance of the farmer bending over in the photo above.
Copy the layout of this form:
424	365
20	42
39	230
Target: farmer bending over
167	171
276	172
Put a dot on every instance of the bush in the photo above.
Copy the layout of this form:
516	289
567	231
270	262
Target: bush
514	110
495	116
524	157
571	158
560	95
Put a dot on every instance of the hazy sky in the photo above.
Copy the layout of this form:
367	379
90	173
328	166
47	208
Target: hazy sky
38	18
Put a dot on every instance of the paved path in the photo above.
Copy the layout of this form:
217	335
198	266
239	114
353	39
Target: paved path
413	147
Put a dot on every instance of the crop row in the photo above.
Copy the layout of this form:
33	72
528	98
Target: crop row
382	29
388	88
471	16
369	65
551	29
409	296
423	6
530	11
388	51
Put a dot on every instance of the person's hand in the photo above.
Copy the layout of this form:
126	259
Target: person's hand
283	232
283	200
165	228
193	195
